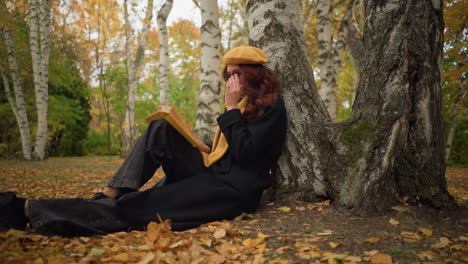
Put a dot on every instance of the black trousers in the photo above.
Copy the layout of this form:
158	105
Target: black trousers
190	196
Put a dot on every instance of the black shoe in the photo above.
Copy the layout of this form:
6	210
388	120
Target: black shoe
12	212
120	193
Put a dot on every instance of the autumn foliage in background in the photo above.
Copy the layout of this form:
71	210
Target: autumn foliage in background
76	99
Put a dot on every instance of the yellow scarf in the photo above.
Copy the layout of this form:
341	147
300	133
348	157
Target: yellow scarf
220	145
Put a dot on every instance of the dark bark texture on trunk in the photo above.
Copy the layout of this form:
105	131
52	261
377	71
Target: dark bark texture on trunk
392	146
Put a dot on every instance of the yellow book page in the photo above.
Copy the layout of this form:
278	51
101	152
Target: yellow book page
170	115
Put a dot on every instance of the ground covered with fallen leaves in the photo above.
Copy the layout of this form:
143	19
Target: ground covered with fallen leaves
289	231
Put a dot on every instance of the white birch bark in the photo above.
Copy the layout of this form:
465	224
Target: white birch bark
164	52
133	73
308	7
39	40
453	121
328	86
19	110
17	104
210	78
275	26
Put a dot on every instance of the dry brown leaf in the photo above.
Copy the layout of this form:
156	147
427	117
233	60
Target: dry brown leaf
381	258
280	261
206	241
425	255
121	257
259	249
217	259
147	259
308	254
281	249
220	233
57	259
410	236
443	242
393	221
251	243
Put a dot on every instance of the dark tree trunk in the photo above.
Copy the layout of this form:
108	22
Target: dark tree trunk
392	146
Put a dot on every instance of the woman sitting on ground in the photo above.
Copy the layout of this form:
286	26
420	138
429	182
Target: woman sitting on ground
199	188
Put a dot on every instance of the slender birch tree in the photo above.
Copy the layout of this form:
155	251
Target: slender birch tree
328	87
392	145
453	119
164	52
331	48
133	72
210	78
17	102
39	41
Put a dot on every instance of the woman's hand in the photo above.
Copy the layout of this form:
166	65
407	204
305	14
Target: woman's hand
204	148
233	92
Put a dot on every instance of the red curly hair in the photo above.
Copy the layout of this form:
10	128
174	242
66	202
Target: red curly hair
261	87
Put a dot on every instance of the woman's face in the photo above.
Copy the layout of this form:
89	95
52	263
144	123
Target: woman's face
232	69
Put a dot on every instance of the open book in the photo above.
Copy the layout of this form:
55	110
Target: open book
170	114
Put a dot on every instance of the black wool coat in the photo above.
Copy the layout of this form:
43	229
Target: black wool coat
192	195
254	148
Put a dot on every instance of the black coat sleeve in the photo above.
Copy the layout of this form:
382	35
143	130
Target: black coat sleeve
257	139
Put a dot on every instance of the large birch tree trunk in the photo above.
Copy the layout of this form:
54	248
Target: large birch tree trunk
164	52
39	41
210	78
392	146
133	73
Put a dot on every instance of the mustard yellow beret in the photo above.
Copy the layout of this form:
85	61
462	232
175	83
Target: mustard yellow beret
245	55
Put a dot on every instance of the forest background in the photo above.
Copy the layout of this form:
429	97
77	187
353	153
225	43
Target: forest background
88	82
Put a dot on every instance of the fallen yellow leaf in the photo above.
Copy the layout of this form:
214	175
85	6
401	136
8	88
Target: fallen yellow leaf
371	253
333	244
372	240
443	242
281	249
410	236
381	258
121	257
401	209
284	209
334	256
147	259
353	259
251	243
426	232
393	221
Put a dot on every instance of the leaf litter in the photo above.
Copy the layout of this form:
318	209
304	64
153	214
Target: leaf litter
281	232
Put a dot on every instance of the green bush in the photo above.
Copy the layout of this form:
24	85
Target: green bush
96	144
